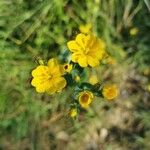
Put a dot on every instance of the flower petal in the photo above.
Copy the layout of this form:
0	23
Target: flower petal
85	28
90	40
82	61
93	62
35	82
60	83
39	71
75	57
73	46
54	67
51	90
81	40
91	94
52	63
41	88
84	105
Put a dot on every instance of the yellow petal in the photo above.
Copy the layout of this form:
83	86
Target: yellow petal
81	40
82	61
85	105
97	48
91	94
60	83
93	62
52	63
40	70
91	40
85	28
54	67
39	80
56	71
75	57
73	46
41	88
51	90
35	81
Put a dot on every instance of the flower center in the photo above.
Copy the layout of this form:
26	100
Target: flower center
85	98
49	76
66	67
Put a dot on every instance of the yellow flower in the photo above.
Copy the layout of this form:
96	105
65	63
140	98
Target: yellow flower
85	98
73	112
85	28
66	68
87	50
48	78
110	91
93	79
134	31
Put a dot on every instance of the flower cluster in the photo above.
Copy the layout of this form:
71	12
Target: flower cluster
85	51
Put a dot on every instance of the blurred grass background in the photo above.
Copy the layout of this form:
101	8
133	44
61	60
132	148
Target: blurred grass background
32	121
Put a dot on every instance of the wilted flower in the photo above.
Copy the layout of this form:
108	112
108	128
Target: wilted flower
87	50
85	98
110	91
48	78
73	112
85	28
